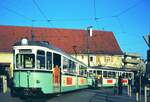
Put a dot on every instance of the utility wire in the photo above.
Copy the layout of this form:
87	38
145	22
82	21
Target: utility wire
120	24
39	9
16	13
95	17
42	13
48	20
126	10
94	9
64	20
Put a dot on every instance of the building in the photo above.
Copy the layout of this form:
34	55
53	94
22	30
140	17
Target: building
102	47
102	60
6	63
133	61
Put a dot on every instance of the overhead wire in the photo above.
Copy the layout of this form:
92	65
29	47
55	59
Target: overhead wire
16	13
96	19
95	16
120	24
43	14
131	7
94	4
125	11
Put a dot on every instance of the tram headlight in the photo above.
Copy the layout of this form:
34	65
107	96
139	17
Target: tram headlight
24	41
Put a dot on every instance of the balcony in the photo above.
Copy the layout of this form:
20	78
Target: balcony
133	61
130	66
132	55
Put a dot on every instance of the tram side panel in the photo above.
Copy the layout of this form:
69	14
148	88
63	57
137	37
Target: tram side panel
69	83
33	82
108	82
82	82
82	78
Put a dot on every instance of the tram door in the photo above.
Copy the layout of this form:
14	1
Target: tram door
99	78
56	73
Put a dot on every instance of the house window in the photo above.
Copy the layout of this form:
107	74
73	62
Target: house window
82	57
91	59
108	59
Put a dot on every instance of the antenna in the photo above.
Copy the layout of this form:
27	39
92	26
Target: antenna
32	33
89	29
89	32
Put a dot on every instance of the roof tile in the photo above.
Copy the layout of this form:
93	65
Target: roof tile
69	40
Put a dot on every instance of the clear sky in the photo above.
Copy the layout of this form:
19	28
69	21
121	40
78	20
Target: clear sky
128	19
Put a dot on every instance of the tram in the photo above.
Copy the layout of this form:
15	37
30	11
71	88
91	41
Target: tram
108	77
41	69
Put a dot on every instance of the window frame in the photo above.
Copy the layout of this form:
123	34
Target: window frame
49	65
23	62
41	55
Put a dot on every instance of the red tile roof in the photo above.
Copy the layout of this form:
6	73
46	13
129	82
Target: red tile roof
69	40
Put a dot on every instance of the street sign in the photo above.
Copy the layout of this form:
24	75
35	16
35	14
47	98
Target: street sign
147	39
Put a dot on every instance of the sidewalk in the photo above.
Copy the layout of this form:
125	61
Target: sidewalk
107	95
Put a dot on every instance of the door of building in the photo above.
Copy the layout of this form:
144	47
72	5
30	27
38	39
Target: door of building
5	72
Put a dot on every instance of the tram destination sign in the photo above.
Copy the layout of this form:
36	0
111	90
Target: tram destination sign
25	51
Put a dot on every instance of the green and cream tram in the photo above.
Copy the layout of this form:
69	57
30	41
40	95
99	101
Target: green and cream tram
40	68
108	77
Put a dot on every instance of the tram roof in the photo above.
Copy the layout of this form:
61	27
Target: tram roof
47	45
39	43
109	68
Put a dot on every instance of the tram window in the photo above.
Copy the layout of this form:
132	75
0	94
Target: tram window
99	72
127	75
40	59
105	74
130	75
65	64
56	60
49	60
110	74
92	73
25	60
72	66
123	75
82	70
113	75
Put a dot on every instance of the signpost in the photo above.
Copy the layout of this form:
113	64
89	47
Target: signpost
147	40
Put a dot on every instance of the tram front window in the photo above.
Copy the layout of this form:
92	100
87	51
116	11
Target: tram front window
25	61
